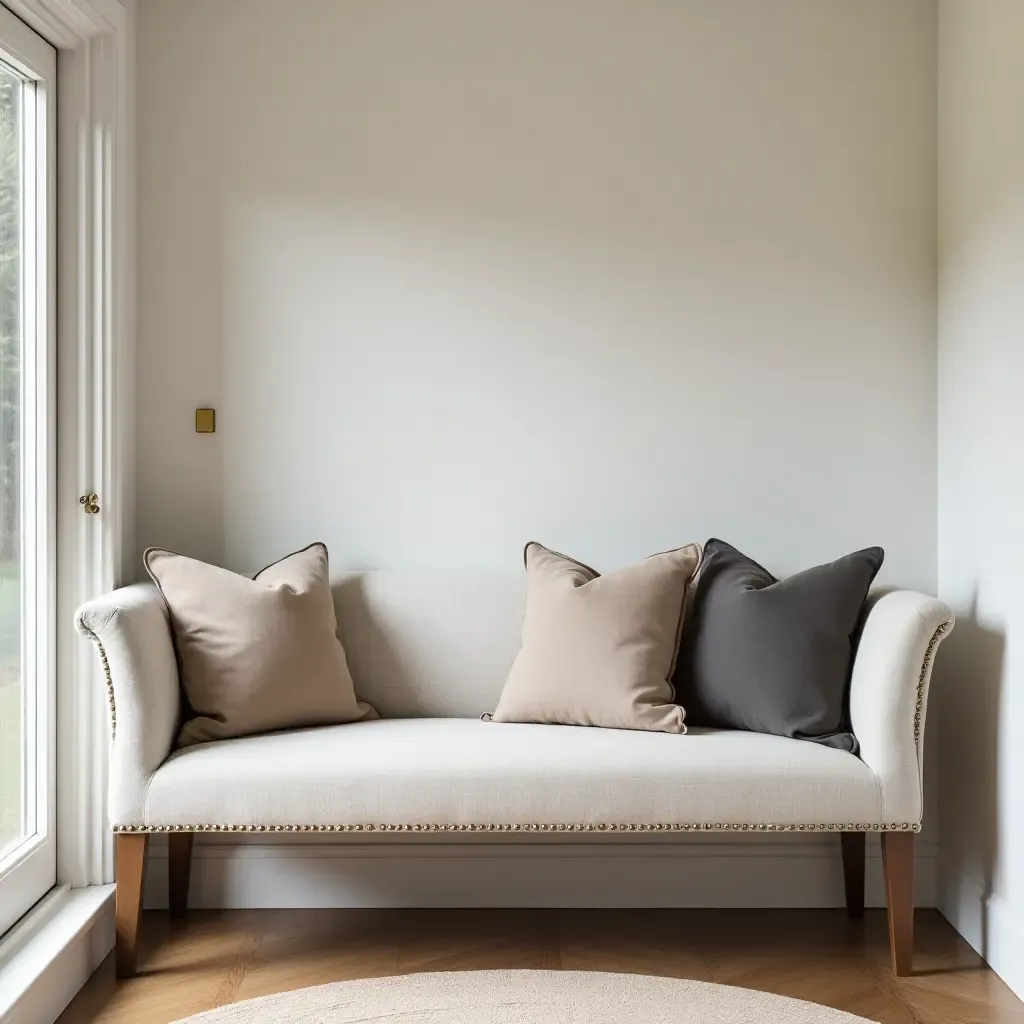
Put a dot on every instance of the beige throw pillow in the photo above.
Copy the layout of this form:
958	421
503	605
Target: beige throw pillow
600	650
256	654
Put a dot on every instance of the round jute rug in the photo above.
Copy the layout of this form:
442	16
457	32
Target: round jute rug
524	997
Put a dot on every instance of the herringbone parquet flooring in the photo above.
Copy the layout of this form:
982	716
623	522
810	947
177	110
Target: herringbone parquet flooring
213	958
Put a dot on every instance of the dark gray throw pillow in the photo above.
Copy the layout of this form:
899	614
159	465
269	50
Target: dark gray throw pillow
773	655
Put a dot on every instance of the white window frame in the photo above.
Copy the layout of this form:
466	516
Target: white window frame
50	954
95	389
30	867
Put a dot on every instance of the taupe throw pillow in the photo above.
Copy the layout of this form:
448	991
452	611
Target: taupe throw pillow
599	650
256	654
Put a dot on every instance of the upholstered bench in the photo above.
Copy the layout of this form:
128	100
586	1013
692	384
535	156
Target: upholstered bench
431	654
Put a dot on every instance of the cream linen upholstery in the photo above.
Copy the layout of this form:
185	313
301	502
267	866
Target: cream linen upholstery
430	645
889	693
466	772
132	632
441	647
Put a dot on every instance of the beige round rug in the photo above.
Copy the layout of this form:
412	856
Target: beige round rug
524	997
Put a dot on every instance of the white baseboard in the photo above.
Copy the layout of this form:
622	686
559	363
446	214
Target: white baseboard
47	957
992	926
804	872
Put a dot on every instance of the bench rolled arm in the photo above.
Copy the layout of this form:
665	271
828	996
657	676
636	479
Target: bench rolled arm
132	634
889	694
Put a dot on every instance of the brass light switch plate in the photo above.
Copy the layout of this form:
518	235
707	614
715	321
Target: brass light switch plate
206	421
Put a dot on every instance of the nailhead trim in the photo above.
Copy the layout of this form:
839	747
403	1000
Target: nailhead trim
922	679
85	631
672	827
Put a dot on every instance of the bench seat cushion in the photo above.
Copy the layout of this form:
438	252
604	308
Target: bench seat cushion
451	771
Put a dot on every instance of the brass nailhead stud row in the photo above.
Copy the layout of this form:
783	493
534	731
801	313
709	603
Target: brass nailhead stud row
672	827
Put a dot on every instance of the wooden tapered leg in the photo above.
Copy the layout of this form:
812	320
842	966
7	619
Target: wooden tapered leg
853	871
898	863
131	851
179	869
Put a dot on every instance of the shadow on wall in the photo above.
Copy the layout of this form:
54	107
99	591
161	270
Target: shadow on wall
968	690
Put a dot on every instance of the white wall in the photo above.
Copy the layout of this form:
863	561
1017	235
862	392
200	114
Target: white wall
614	276
980	677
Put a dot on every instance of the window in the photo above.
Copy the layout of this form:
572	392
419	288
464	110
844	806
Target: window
27	466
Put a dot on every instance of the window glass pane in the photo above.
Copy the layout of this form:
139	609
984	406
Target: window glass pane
13	745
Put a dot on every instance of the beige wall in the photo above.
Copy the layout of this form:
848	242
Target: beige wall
615	276
980	678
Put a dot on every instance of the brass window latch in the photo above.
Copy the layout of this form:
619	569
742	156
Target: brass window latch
91	501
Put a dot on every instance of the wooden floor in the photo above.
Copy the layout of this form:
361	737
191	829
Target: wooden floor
214	958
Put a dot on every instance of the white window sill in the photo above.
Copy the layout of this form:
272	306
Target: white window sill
47	957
